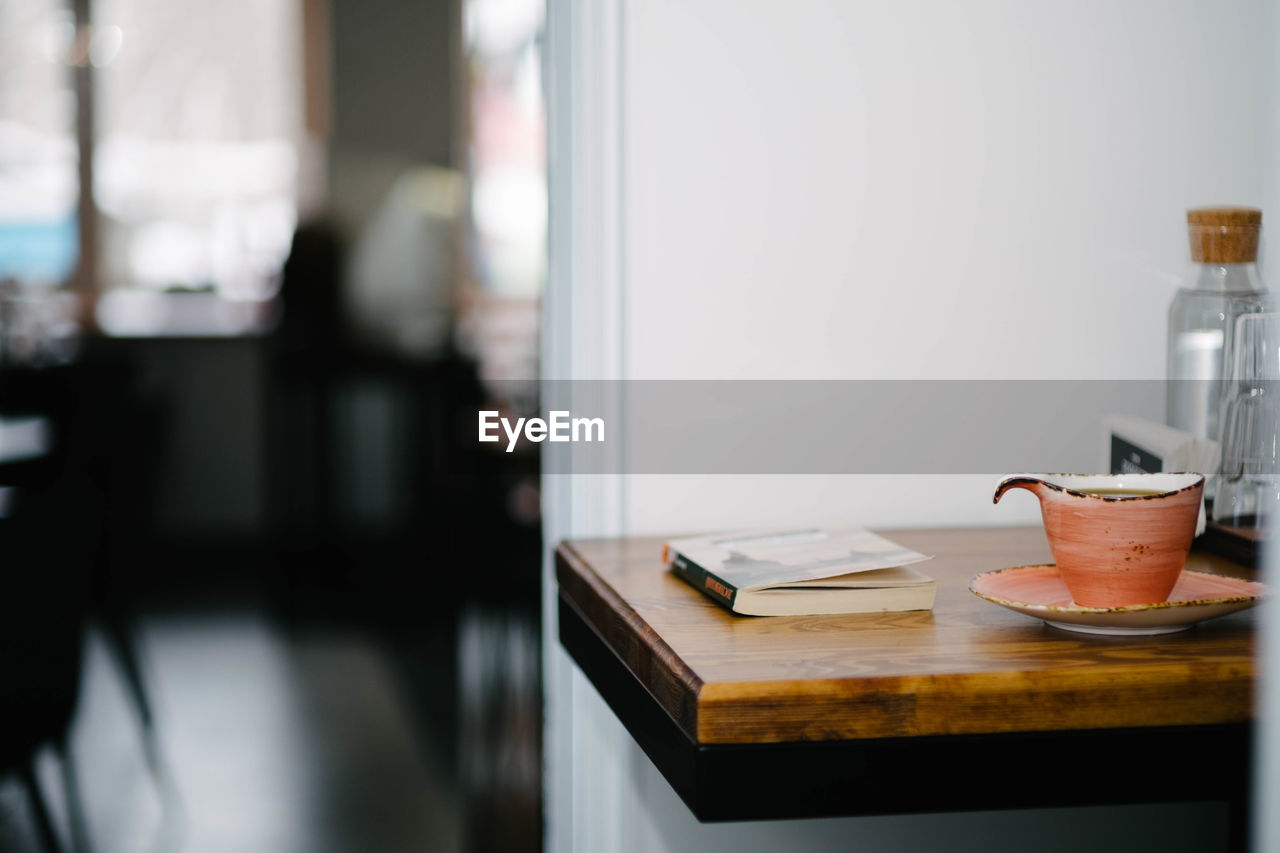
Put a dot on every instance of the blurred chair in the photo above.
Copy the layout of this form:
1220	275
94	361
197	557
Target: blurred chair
115	427
48	531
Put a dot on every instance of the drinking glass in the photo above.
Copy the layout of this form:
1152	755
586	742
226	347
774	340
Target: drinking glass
1249	490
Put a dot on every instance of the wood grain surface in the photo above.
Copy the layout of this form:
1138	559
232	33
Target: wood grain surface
965	667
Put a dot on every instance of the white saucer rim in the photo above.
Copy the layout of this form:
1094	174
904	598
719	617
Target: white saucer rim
1122	630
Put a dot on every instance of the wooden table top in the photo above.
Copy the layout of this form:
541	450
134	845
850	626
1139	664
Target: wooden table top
966	667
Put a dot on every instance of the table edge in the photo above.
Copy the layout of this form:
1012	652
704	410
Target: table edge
676	687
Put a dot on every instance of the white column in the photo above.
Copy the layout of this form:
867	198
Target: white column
588	753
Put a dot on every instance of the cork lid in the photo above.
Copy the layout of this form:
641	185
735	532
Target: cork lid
1224	235
1224	216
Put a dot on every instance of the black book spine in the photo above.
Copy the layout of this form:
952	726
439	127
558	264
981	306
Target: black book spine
713	587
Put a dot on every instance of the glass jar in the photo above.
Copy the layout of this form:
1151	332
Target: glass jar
1249	491
1224	245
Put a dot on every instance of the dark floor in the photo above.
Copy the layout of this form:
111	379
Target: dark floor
306	739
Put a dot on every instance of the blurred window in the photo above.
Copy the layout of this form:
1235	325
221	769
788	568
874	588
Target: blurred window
199	125
38	183
507	149
506	162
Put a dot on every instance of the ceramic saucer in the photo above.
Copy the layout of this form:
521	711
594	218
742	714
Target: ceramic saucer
1040	592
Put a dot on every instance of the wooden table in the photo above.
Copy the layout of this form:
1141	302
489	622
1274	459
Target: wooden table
967	706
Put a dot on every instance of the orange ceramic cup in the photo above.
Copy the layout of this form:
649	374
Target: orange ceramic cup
1117	538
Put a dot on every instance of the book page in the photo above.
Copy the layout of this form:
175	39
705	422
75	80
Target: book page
766	558
898	576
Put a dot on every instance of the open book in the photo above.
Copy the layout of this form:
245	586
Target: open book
808	571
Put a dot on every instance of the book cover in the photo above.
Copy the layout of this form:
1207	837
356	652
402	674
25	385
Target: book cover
806	571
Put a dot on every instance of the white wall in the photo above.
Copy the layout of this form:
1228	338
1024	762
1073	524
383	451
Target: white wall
922	189
859	189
